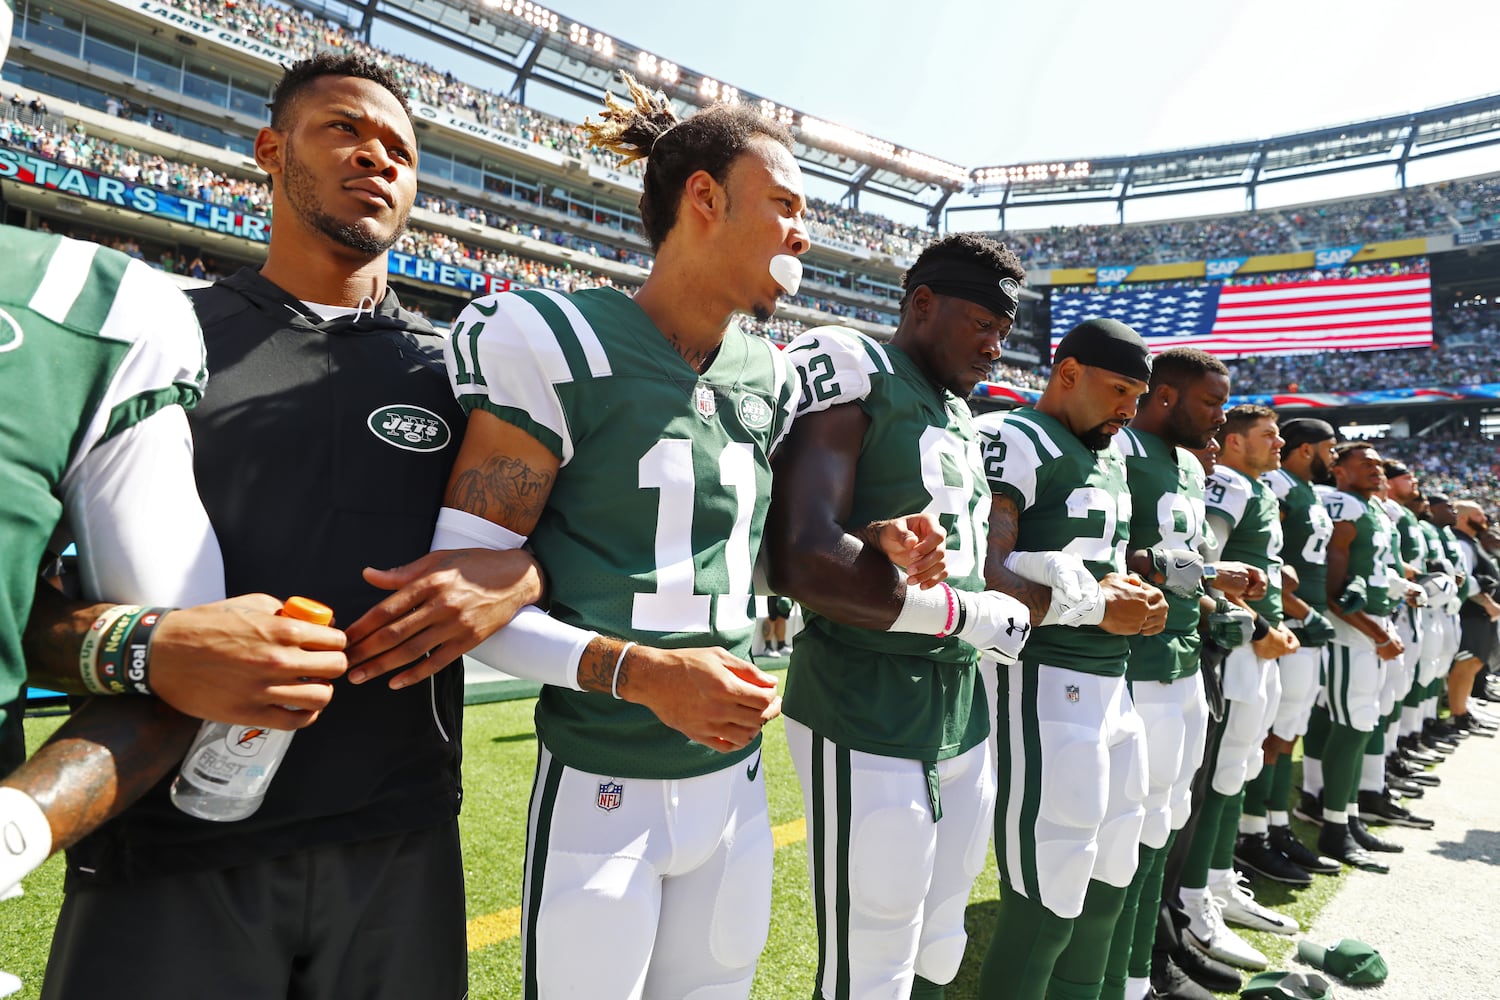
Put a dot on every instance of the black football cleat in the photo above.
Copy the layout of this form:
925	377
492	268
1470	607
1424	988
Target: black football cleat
1284	840
1253	853
1370	841
1309	808
1339	843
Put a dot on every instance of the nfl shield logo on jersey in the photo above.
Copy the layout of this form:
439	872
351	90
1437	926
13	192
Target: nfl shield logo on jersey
1072	692
705	401
610	794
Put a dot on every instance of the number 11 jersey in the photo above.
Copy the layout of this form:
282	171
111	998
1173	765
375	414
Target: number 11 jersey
654	522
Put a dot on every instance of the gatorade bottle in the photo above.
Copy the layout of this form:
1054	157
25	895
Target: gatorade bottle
226	774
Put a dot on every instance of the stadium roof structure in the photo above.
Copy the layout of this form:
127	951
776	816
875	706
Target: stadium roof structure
1396	140
538	45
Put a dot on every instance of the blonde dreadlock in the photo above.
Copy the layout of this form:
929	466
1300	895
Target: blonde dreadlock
630	130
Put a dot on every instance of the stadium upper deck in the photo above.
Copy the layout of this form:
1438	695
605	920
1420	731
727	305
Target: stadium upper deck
512	192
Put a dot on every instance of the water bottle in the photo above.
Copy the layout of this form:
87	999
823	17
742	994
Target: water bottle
224	777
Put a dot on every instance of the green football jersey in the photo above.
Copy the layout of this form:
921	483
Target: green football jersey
1413	544
1249	508
1072	500
895	693
1451	551
654	521
1166	499
1432	545
91	343
1370	553
1306	529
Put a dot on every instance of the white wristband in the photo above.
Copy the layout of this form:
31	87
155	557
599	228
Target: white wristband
25	837
925	612
458	529
537	647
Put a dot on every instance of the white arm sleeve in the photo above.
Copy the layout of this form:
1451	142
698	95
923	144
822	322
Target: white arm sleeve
534	646
133	507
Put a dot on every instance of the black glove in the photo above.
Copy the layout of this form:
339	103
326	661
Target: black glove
1354	595
1314	631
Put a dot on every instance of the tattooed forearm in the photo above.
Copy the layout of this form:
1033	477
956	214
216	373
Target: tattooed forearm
1005	526
53	636
102	759
596	668
503	489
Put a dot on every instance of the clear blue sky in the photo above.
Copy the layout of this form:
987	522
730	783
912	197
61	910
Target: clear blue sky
980	82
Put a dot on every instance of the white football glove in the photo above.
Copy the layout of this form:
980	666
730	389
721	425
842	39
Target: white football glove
1442	592
1076	597
996	624
1395	586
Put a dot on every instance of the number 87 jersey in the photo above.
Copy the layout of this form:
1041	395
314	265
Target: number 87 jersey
652	527
1069	499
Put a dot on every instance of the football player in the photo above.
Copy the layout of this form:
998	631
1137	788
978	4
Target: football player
1266	844
1071	765
627	442
99	359
1183	409
1245	524
1360	564
886	719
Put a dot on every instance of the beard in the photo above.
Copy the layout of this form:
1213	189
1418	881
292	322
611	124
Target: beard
1321	474
1182	432
1096	438
302	195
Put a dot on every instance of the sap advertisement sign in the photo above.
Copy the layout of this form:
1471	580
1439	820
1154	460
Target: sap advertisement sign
1335	256
1223	267
1111	275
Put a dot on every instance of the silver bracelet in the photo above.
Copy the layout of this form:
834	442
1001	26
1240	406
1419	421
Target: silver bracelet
615	680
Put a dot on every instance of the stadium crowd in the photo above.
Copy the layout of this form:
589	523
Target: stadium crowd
1435	209
69	142
1463	464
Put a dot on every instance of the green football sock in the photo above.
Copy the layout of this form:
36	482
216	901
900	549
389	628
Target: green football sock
1201	848
1316	736
1028	939
1222	858
1148	912
1281	784
1342	757
1258	793
1142	898
926	989
1079	972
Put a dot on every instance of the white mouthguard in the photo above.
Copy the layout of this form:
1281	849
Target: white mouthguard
786	271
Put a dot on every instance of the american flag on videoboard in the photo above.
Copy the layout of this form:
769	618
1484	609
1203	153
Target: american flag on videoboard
1351	314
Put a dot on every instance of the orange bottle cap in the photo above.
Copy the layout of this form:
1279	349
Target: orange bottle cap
306	609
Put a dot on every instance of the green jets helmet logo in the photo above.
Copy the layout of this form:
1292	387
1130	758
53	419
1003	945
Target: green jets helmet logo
10	332
754	413
411	428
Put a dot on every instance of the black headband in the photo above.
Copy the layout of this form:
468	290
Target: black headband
1305	430
968	280
1107	344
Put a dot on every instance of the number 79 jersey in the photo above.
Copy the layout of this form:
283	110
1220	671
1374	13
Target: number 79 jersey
1072	500
654	522
892	693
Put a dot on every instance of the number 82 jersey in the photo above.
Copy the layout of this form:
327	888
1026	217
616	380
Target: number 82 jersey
892	693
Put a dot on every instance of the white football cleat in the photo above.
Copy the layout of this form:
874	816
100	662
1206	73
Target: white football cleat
1241	908
1209	934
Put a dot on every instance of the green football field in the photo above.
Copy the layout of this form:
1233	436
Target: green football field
499	758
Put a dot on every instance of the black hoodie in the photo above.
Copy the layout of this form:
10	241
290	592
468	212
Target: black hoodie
321	447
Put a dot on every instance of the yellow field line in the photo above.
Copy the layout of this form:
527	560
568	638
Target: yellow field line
493	928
